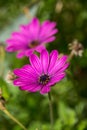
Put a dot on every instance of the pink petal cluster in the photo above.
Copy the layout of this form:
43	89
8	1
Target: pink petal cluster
42	72
31	37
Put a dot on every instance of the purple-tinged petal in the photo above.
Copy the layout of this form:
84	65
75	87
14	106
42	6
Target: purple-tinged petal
49	34
34	28
31	88
52	25
16	44
40	48
45	89
59	64
29	52
18	82
47	22
14	48
48	40
10	48
44	57
17	40
26	32
56	78
46	25
26	71
30	70
53	59
35	62
20	54
23	82
23	28
19	35
63	68
11	41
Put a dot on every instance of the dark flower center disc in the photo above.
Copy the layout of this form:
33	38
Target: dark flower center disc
44	79
33	44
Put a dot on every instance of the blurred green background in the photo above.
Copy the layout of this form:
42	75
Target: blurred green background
70	95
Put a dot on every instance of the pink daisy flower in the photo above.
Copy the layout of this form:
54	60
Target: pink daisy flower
42	73
31	37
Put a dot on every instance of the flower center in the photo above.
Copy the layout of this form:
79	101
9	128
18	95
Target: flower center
44	79
33	44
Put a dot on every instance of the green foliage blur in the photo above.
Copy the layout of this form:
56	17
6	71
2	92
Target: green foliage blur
70	95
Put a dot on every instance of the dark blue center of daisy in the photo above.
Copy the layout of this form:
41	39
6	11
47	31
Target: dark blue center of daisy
33	44
44	79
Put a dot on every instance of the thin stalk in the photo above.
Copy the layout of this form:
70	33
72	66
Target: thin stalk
14	119
3	109
71	55
51	110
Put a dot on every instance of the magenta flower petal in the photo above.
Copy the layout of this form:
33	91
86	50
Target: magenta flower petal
42	73
40	48
44	60
31	88
20	54
57	77
35	62
53	32
29	52
19	36
48	40
43	28
31	37
53	59
63	68
59	64
34	28
10	48
45	90
24	28
49	34
45	25
18	82
26	71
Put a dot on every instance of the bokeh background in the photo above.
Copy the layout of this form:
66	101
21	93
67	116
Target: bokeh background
70	95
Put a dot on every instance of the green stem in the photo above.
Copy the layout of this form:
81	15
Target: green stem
14	119
51	110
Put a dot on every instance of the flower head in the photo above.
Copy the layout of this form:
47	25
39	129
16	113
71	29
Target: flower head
76	48
10	77
42	73
59	6
31	37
